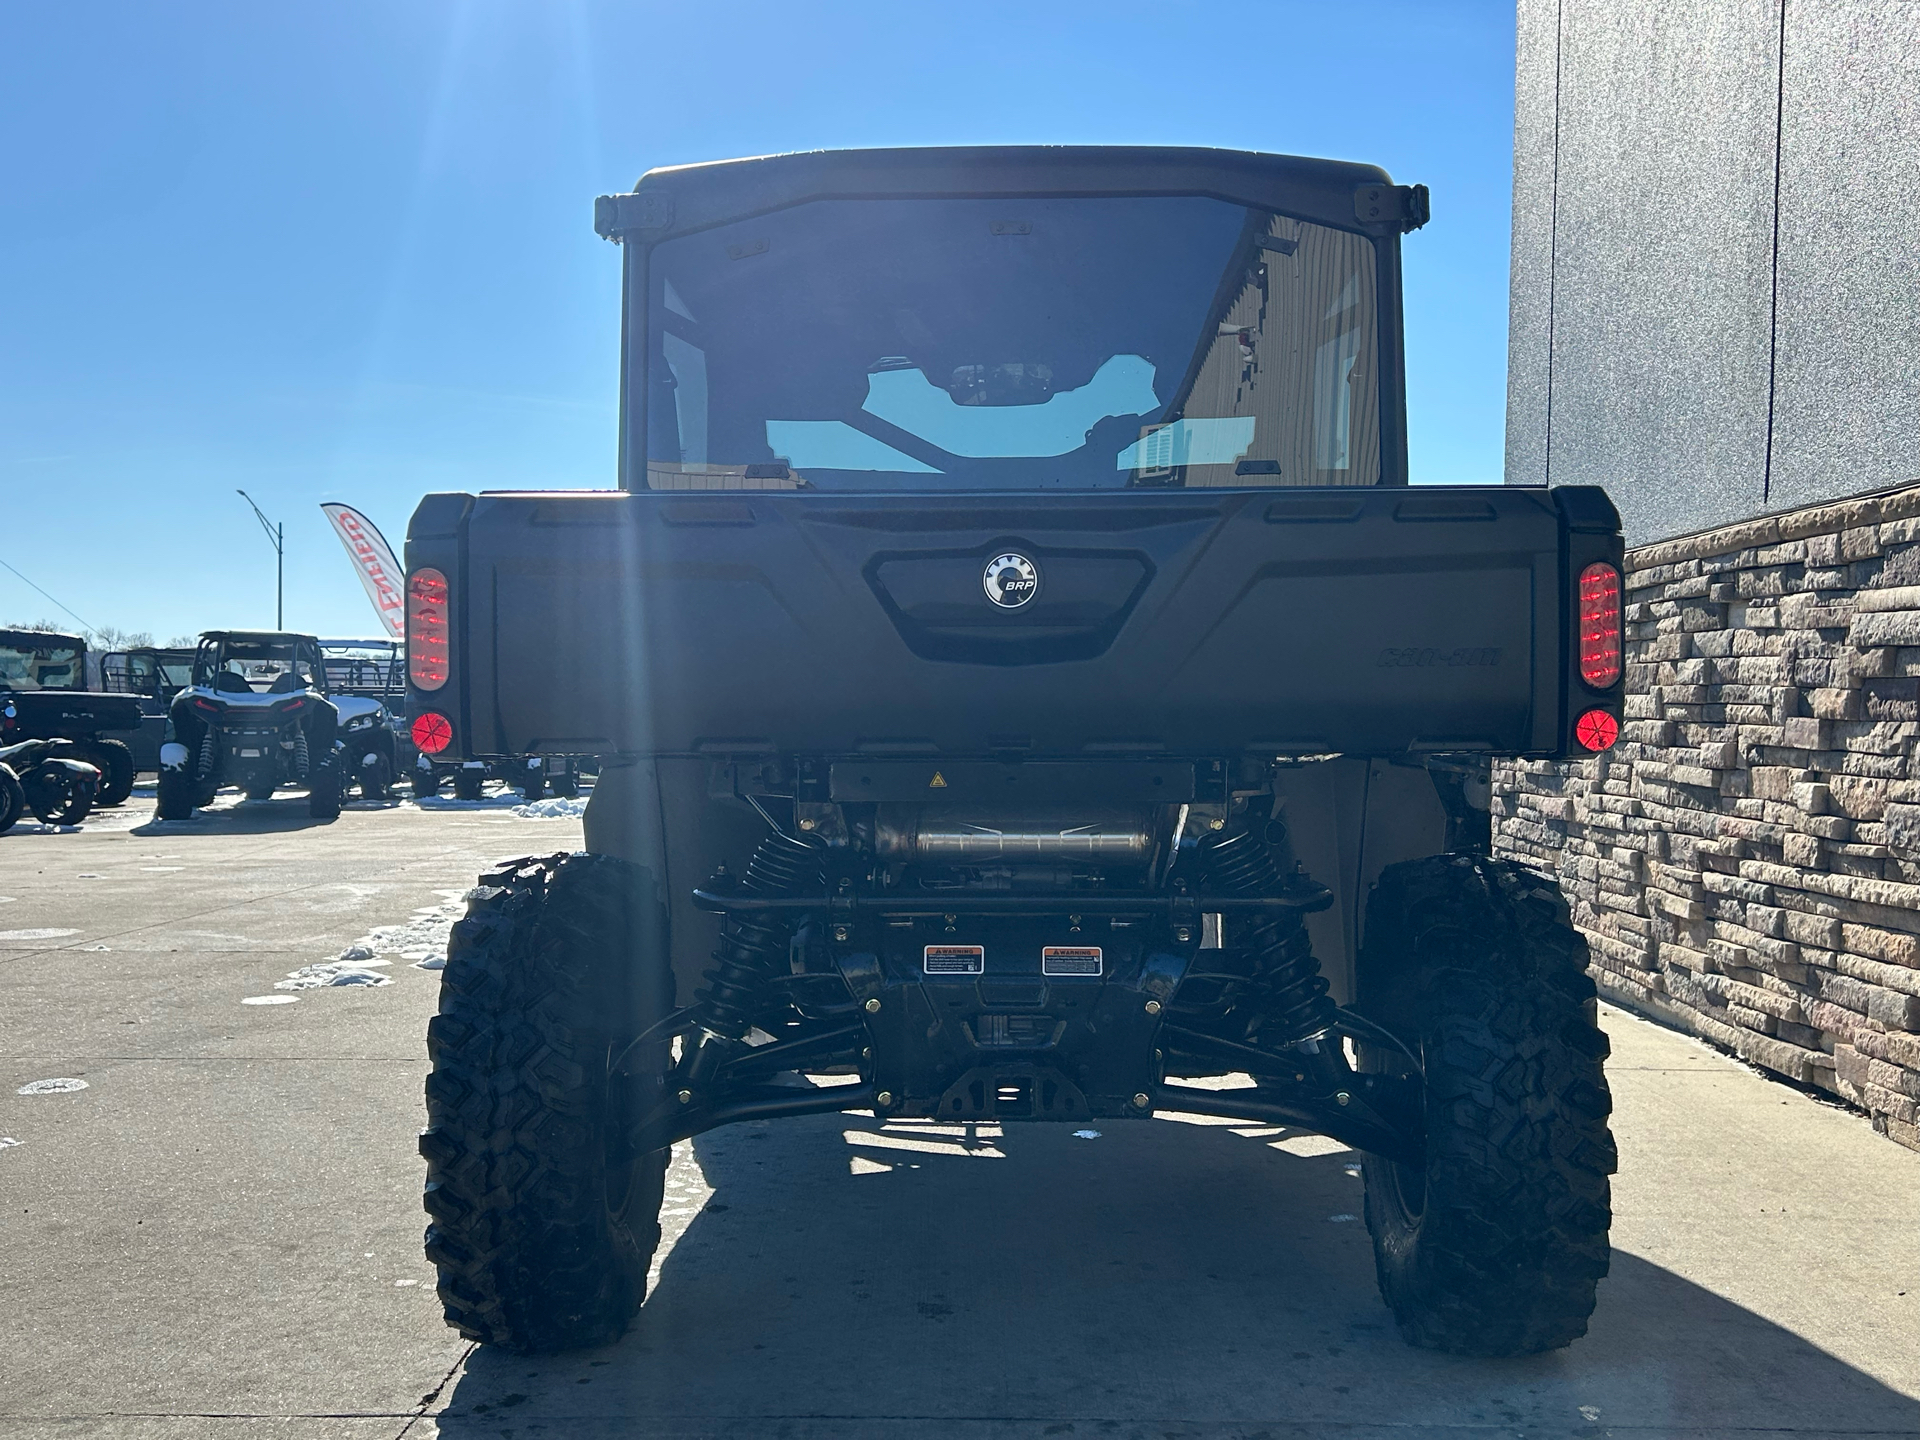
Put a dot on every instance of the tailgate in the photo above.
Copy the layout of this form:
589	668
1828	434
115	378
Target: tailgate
1181	622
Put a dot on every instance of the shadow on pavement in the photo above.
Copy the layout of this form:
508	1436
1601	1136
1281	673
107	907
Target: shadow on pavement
1163	1279
283	813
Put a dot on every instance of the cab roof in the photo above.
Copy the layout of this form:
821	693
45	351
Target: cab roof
257	637
41	637
679	199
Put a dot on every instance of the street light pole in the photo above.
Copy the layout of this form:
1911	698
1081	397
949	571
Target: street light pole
276	537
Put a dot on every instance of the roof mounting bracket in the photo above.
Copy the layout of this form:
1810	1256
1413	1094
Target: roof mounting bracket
614	216
1404	207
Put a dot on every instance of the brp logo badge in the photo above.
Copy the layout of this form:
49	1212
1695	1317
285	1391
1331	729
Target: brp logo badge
1011	580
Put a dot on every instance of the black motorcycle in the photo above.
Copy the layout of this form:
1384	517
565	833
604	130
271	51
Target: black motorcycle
48	777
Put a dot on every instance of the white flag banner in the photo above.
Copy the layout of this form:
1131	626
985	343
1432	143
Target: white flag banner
373	558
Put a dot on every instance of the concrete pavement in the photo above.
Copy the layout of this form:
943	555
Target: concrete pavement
219	1236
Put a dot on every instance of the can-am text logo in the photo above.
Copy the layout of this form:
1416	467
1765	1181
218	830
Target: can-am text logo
1011	580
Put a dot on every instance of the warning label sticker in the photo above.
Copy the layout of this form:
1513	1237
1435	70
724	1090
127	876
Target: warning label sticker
954	960
1070	960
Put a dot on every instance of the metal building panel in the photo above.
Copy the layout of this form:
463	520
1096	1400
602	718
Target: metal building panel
1535	85
1664	258
1847	386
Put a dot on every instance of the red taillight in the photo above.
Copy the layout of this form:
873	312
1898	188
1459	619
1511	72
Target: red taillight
1597	730
428	646
1600	627
431	733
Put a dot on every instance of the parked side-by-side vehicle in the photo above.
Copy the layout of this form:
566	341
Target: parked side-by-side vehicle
153	675
1031	690
255	715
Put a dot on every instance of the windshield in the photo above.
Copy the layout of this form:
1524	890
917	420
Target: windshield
1012	344
147	672
364	666
34	665
266	667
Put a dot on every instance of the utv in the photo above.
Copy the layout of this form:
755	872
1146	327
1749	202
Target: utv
44	696
1029	685
365	681
153	676
256	715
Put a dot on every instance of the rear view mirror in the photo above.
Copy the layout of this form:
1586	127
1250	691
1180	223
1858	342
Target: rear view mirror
1013	384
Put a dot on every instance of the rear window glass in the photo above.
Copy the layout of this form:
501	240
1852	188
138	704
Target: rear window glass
947	344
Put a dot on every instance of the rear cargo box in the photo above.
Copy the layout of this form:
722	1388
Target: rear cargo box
1375	621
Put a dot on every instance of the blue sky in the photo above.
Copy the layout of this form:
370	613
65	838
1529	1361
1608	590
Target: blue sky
346	251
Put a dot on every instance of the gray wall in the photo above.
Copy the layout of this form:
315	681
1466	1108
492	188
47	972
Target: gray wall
1661	344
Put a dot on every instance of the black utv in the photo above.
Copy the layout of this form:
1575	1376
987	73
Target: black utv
257	716
44	696
365	679
153	675
1030	690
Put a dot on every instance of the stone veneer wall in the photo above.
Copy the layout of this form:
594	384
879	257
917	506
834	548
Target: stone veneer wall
1746	860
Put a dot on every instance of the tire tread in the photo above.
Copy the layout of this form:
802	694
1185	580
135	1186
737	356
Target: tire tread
1508	1254
527	1255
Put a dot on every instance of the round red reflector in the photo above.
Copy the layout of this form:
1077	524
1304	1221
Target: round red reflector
433	733
1596	730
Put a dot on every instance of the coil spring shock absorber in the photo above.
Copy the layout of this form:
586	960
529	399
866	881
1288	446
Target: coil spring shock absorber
752	944
300	752
1292	992
207	747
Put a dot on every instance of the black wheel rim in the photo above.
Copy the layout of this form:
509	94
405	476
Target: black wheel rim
619	1168
1409	1182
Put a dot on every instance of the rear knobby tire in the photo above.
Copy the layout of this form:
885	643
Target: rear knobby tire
173	799
1495	1248
66	801
426	784
323	791
467	784
544	1224
13	800
376	780
114	760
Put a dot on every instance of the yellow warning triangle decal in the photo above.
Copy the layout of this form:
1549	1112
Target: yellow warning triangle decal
939	781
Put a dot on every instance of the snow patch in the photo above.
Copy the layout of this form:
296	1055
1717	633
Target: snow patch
62	1086
504	800
1086	1134
555	809
36	934
270	1000
335	972
7	1142
422	939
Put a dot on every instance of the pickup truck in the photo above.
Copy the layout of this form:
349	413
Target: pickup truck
1032	690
